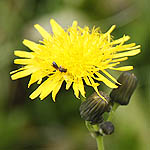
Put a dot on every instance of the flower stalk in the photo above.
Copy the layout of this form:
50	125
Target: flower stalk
93	129
111	114
100	144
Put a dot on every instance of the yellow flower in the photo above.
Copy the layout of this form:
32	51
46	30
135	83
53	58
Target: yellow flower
76	55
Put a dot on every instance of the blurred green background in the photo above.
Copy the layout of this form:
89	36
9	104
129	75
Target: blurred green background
45	125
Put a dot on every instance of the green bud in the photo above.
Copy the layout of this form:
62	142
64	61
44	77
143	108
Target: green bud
106	128
93	108
123	93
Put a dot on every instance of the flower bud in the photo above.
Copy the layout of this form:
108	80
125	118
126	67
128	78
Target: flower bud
123	93
106	128
93	108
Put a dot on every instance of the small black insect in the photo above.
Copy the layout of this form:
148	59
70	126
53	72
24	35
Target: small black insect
61	69
55	65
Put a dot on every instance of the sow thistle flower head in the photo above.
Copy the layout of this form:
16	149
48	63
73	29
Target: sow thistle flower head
77	56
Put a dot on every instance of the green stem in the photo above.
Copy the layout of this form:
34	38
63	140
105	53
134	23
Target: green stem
115	106
99	140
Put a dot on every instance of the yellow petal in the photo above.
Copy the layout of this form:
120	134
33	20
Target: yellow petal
12	72
111	29
129	47
125	68
96	90
81	87
129	53
23	54
39	81
68	84
57	29
76	89
36	76
110	76
68	80
23	61
119	59
50	84
126	47
56	89
43	89
74	24
95	85
124	38
37	92
47	89
113	64
32	45
43	32
87	81
105	80
22	74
